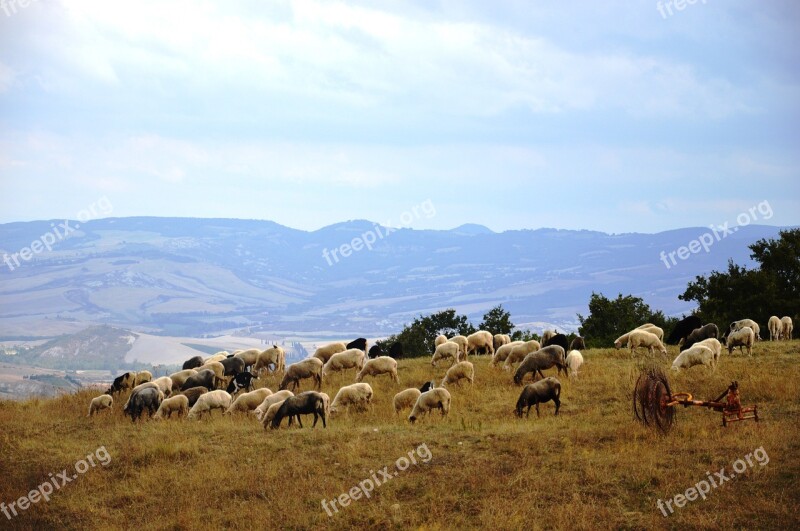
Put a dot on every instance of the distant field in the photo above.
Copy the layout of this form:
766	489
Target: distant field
592	467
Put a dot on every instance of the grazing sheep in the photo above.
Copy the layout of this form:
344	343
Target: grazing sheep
357	394
557	339
274	355
644	338
462	343
441	338
205	378
180	377
775	328
274	398
99	403
233	366
249	357
537	393
396	350
438	398
193	393
577	344
546	335
122	382
713	344
501	354
541	360
142	377
574	361
219	371
219	356
307	368
741	323
360	344
498	340
164	384
743	337
683	328
427	386
459	371
272	410
325	353
145	398
448	349
656	331
192	363
405	399
243	380
622	340
787	327
646	325
519	352
177	404
377	366
696	355
480	341
699	334
306	403
247	402
349	359
208	402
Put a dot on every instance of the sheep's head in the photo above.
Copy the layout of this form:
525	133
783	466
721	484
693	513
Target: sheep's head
412	419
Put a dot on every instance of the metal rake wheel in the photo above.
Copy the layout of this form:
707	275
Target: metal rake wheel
652	399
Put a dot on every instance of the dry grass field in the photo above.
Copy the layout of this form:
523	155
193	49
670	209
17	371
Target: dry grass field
592	467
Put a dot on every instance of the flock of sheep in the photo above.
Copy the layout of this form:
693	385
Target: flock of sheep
223	381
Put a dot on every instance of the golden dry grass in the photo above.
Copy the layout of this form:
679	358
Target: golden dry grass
592	467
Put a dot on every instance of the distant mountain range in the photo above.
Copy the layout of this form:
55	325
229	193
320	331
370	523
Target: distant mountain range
190	277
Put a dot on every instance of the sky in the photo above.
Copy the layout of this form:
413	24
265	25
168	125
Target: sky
618	116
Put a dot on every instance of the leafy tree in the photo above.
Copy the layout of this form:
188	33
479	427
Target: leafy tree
609	319
771	289
497	321
418	337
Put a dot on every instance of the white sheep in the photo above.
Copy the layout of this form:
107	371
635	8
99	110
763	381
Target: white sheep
269	414
547	335
358	395
249	356
713	344
462	343
478	341
441	338
280	396
180	377
307	368
775	328
642	327
217	367
643	338
499	340
653	329
697	354
142	377
176	404
219	356
405	399
436	398
208	402
519	352
743	337
377	366
99	403
502	353
459	371
741	323
574	361
324	353
247	402
349	359
448	349
164	384
622	340
274	355
787	327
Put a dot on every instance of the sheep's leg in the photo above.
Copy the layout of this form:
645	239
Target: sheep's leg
558	404
537	410
314	425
